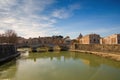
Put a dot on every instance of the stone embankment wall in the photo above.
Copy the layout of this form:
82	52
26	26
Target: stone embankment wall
98	47
7	50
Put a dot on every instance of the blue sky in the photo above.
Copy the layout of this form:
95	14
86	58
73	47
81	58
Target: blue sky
33	18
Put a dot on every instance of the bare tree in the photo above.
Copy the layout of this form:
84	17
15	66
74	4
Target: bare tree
11	36
3	38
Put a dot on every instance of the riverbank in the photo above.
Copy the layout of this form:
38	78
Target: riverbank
112	56
7	53
9	58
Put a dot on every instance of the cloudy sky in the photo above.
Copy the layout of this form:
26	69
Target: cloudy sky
33	18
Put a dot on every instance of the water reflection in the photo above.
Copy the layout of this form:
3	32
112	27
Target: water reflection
24	54
8	71
61	66
88	59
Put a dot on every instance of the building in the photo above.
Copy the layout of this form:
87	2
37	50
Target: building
112	39
89	39
67	40
54	40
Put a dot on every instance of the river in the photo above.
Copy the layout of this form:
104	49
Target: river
60	66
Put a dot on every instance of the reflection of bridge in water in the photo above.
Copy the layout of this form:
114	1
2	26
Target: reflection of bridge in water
92	60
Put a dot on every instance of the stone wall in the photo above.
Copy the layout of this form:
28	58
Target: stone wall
98	47
7	50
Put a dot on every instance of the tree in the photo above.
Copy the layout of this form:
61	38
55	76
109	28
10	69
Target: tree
2	38
55	37
11	36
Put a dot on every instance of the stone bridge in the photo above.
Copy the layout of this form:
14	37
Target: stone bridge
63	47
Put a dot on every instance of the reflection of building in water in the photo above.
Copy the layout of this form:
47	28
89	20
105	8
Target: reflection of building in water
34	59
57	57
88	59
90	62
85	61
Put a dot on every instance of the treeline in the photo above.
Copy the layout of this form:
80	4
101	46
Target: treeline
10	36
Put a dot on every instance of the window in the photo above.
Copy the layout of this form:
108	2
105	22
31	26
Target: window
118	41
94	40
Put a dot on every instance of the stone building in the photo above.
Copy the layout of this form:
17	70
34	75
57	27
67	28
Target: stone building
112	39
32	41
90	39
50	40
54	40
20	40
80	36
67	40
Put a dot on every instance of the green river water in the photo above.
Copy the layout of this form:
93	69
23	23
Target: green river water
60	66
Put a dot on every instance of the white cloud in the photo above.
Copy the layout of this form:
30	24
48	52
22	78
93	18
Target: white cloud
61	13
27	17
6	3
20	15
65	12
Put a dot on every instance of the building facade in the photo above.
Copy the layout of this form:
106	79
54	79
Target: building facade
42	41
89	39
112	39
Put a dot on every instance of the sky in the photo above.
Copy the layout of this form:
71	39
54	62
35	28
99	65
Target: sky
33	18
